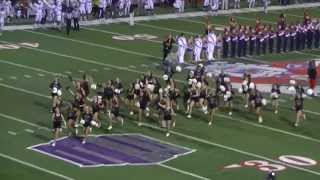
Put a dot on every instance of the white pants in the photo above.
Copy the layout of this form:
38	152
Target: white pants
197	54
252	3
38	17
1	24
180	54
210	51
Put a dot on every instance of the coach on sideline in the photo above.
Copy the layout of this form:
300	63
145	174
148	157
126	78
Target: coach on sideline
312	74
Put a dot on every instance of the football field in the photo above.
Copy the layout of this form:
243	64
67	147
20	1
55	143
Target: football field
234	148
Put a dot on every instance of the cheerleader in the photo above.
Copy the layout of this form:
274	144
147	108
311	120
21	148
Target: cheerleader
73	115
275	93
194	97
108	94
56	92
258	102
57	119
298	101
98	106
212	102
143	100
87	122
227	93
244	89
114	115
130	98
166	107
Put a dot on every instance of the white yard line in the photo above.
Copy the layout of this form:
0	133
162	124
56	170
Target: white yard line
203	141
94	44
24	90
35	167
184	172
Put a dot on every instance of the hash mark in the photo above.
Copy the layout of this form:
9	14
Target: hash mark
27	76
13	77
12	133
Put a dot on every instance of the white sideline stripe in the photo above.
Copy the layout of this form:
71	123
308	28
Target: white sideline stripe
35	167
183	172
171	16
24	122
68	72
94	70
24	90
94	44
233	149
41	75
12	133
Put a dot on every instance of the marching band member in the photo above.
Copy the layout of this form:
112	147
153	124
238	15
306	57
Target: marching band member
197	48
182	46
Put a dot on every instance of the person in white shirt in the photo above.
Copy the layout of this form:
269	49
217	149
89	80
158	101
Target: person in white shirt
237	4
82	9
127	5
182	46
211	43
179	5
197	48
252	3
2	18
102	8
214	7
88	7
121	7
38	6
149	6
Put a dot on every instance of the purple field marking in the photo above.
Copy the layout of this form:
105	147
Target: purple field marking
98	155
69	153
114	153
160	146
112	138
156	157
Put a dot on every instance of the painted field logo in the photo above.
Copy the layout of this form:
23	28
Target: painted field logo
18	45
112	150
280	72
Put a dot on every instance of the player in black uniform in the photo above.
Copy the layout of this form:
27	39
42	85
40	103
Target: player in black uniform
57	119
275	94
114	115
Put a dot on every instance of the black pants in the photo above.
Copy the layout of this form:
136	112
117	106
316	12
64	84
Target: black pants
233	49
225	50
251	47
317	39
76	26
68	23
258	47
298	42
166	52
291	43
279	44
285	44
271	45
